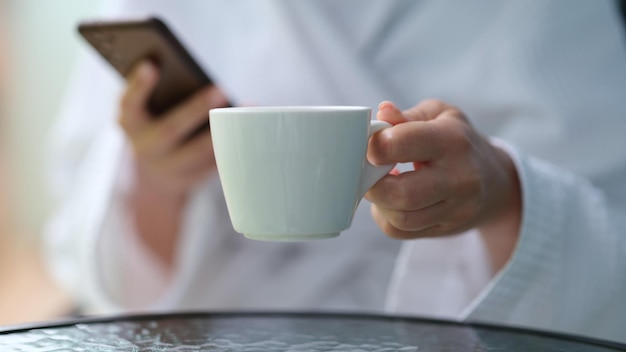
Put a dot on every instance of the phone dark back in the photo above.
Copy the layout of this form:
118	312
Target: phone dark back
124	44
622	7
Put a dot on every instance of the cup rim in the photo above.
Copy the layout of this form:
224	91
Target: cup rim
295	108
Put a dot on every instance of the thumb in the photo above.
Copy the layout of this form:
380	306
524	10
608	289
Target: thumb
389	112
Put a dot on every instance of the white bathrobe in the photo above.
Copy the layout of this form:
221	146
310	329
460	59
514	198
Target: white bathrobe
545	79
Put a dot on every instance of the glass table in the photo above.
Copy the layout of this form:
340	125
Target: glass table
285	332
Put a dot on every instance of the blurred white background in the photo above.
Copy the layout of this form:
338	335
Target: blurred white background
44	43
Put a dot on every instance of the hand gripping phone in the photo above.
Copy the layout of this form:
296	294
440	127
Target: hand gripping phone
125	43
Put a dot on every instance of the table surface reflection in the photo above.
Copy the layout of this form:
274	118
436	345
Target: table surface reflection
284	332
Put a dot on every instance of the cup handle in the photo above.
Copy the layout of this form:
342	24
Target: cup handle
373	173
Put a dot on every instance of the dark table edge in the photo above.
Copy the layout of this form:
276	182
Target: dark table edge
4	330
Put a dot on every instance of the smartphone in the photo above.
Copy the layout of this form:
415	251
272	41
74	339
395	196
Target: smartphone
125	43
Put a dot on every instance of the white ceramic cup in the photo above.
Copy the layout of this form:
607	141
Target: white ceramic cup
294	173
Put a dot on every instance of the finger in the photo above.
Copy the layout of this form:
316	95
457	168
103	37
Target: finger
393	232
197	177
133	113
389	112
175	126
184	183
412	190
414	141
426	110
219	98
193	156
416	220
420	134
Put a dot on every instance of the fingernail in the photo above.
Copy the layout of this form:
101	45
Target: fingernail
387	106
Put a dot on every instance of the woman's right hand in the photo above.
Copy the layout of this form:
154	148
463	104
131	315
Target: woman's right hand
166	165
162	155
